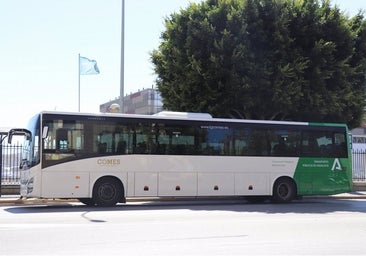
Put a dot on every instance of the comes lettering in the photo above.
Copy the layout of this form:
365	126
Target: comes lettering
109	161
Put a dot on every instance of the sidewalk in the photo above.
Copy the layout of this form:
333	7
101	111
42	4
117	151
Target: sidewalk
16	200
350	195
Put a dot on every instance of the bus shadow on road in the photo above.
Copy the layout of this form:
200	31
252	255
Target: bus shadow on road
305	206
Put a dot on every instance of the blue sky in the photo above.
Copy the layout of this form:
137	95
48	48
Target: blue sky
41	40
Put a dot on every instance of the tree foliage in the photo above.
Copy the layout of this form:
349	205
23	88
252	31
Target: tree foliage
264	59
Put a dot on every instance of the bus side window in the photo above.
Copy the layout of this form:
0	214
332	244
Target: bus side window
311	146
121	147
102	147
259	144
285	143
61	139
104	142
281	148
340	145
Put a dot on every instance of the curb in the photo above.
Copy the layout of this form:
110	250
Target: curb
363	196
34	201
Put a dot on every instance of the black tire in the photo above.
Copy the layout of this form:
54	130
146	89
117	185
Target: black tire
87	201
107	192
284	190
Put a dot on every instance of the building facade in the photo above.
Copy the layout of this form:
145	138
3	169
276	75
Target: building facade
146	102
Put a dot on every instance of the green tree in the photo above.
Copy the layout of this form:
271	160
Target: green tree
264	59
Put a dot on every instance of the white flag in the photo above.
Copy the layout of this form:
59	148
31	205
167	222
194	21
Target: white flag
87	66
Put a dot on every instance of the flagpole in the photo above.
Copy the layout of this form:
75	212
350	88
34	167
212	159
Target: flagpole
79	83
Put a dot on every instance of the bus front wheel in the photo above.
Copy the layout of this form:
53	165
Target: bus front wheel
284	190
107	192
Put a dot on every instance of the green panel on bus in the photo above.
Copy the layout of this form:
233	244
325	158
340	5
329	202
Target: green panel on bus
323	176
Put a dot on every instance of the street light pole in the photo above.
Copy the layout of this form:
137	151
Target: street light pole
2	137
122	82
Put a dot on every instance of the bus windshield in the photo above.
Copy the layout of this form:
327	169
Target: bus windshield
30	154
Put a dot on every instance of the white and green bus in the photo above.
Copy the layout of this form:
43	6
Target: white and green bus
102	159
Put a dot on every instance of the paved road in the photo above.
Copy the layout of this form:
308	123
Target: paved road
308	227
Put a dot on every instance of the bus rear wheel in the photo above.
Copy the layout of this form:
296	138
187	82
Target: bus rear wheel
107	192
284	190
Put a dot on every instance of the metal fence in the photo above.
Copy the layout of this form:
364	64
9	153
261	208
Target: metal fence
11	159
359	165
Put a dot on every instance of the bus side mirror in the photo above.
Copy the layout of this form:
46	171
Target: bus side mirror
45	132
19	131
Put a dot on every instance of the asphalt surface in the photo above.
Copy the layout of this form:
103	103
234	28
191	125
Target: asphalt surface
16	200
